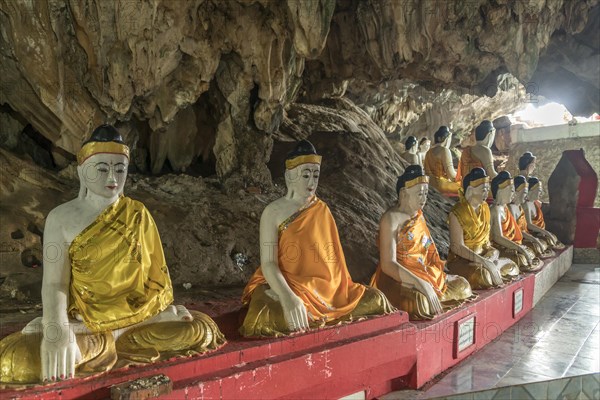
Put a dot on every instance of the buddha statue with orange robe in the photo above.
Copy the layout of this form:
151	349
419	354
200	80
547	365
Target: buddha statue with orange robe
471	254
303	281
535	217
479	155
410	272
107	294
540	247
438	163
505	232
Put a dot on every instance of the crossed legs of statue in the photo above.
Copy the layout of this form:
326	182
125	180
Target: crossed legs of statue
172	333
265	316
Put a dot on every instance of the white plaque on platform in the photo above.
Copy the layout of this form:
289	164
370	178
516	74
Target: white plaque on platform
517	301
464	334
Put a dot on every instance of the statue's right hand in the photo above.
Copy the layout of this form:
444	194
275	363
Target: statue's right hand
294	312
494	270
435	306
59	353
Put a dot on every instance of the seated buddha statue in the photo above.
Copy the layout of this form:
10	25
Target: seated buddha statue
438	163
107	294
505	232
526	164
535	217
303	281
424	146
471	254
411	151
480	154
540	247
410	272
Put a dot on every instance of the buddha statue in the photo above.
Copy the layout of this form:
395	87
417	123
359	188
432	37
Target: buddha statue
540	247
438	163
410	272
411	151
471	254
303	281
505	232
424	146
480	154
107	294
526	164
535	217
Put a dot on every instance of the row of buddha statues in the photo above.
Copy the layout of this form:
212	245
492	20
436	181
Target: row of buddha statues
437	160
108	298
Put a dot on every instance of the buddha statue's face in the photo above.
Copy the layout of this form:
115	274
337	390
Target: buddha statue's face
425	146
536	192
104	174
414	198
521	195
477	195
505	195
446	143
530	167
303	180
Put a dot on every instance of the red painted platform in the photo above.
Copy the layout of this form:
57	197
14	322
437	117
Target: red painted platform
375	356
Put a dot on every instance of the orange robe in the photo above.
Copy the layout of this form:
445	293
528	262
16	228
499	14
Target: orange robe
510	229
313	264
467	162
538	220
416	251
521	221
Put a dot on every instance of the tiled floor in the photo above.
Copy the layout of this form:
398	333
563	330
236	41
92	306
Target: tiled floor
560	337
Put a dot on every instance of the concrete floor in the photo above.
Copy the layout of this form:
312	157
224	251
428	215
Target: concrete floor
560	337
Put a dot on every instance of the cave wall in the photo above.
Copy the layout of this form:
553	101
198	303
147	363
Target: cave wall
153	68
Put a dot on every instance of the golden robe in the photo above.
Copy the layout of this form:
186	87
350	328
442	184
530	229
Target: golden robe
435	169
467	162
476	236
512	231
119	278
416	251
119	275
312	262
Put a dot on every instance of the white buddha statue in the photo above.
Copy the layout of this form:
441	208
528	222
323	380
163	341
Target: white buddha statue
303	281
479	155
505	232
106	290
540	247
411	151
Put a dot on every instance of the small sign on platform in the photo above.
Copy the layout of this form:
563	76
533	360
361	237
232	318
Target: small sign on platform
464	335
142	388
517	302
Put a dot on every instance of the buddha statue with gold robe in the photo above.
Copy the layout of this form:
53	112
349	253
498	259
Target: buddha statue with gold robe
411	151
480	154
438	163
107	293
526	164
535	217
471	254
303	281
505	232
410	272
540	247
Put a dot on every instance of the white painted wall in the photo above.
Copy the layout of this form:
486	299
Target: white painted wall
581	130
